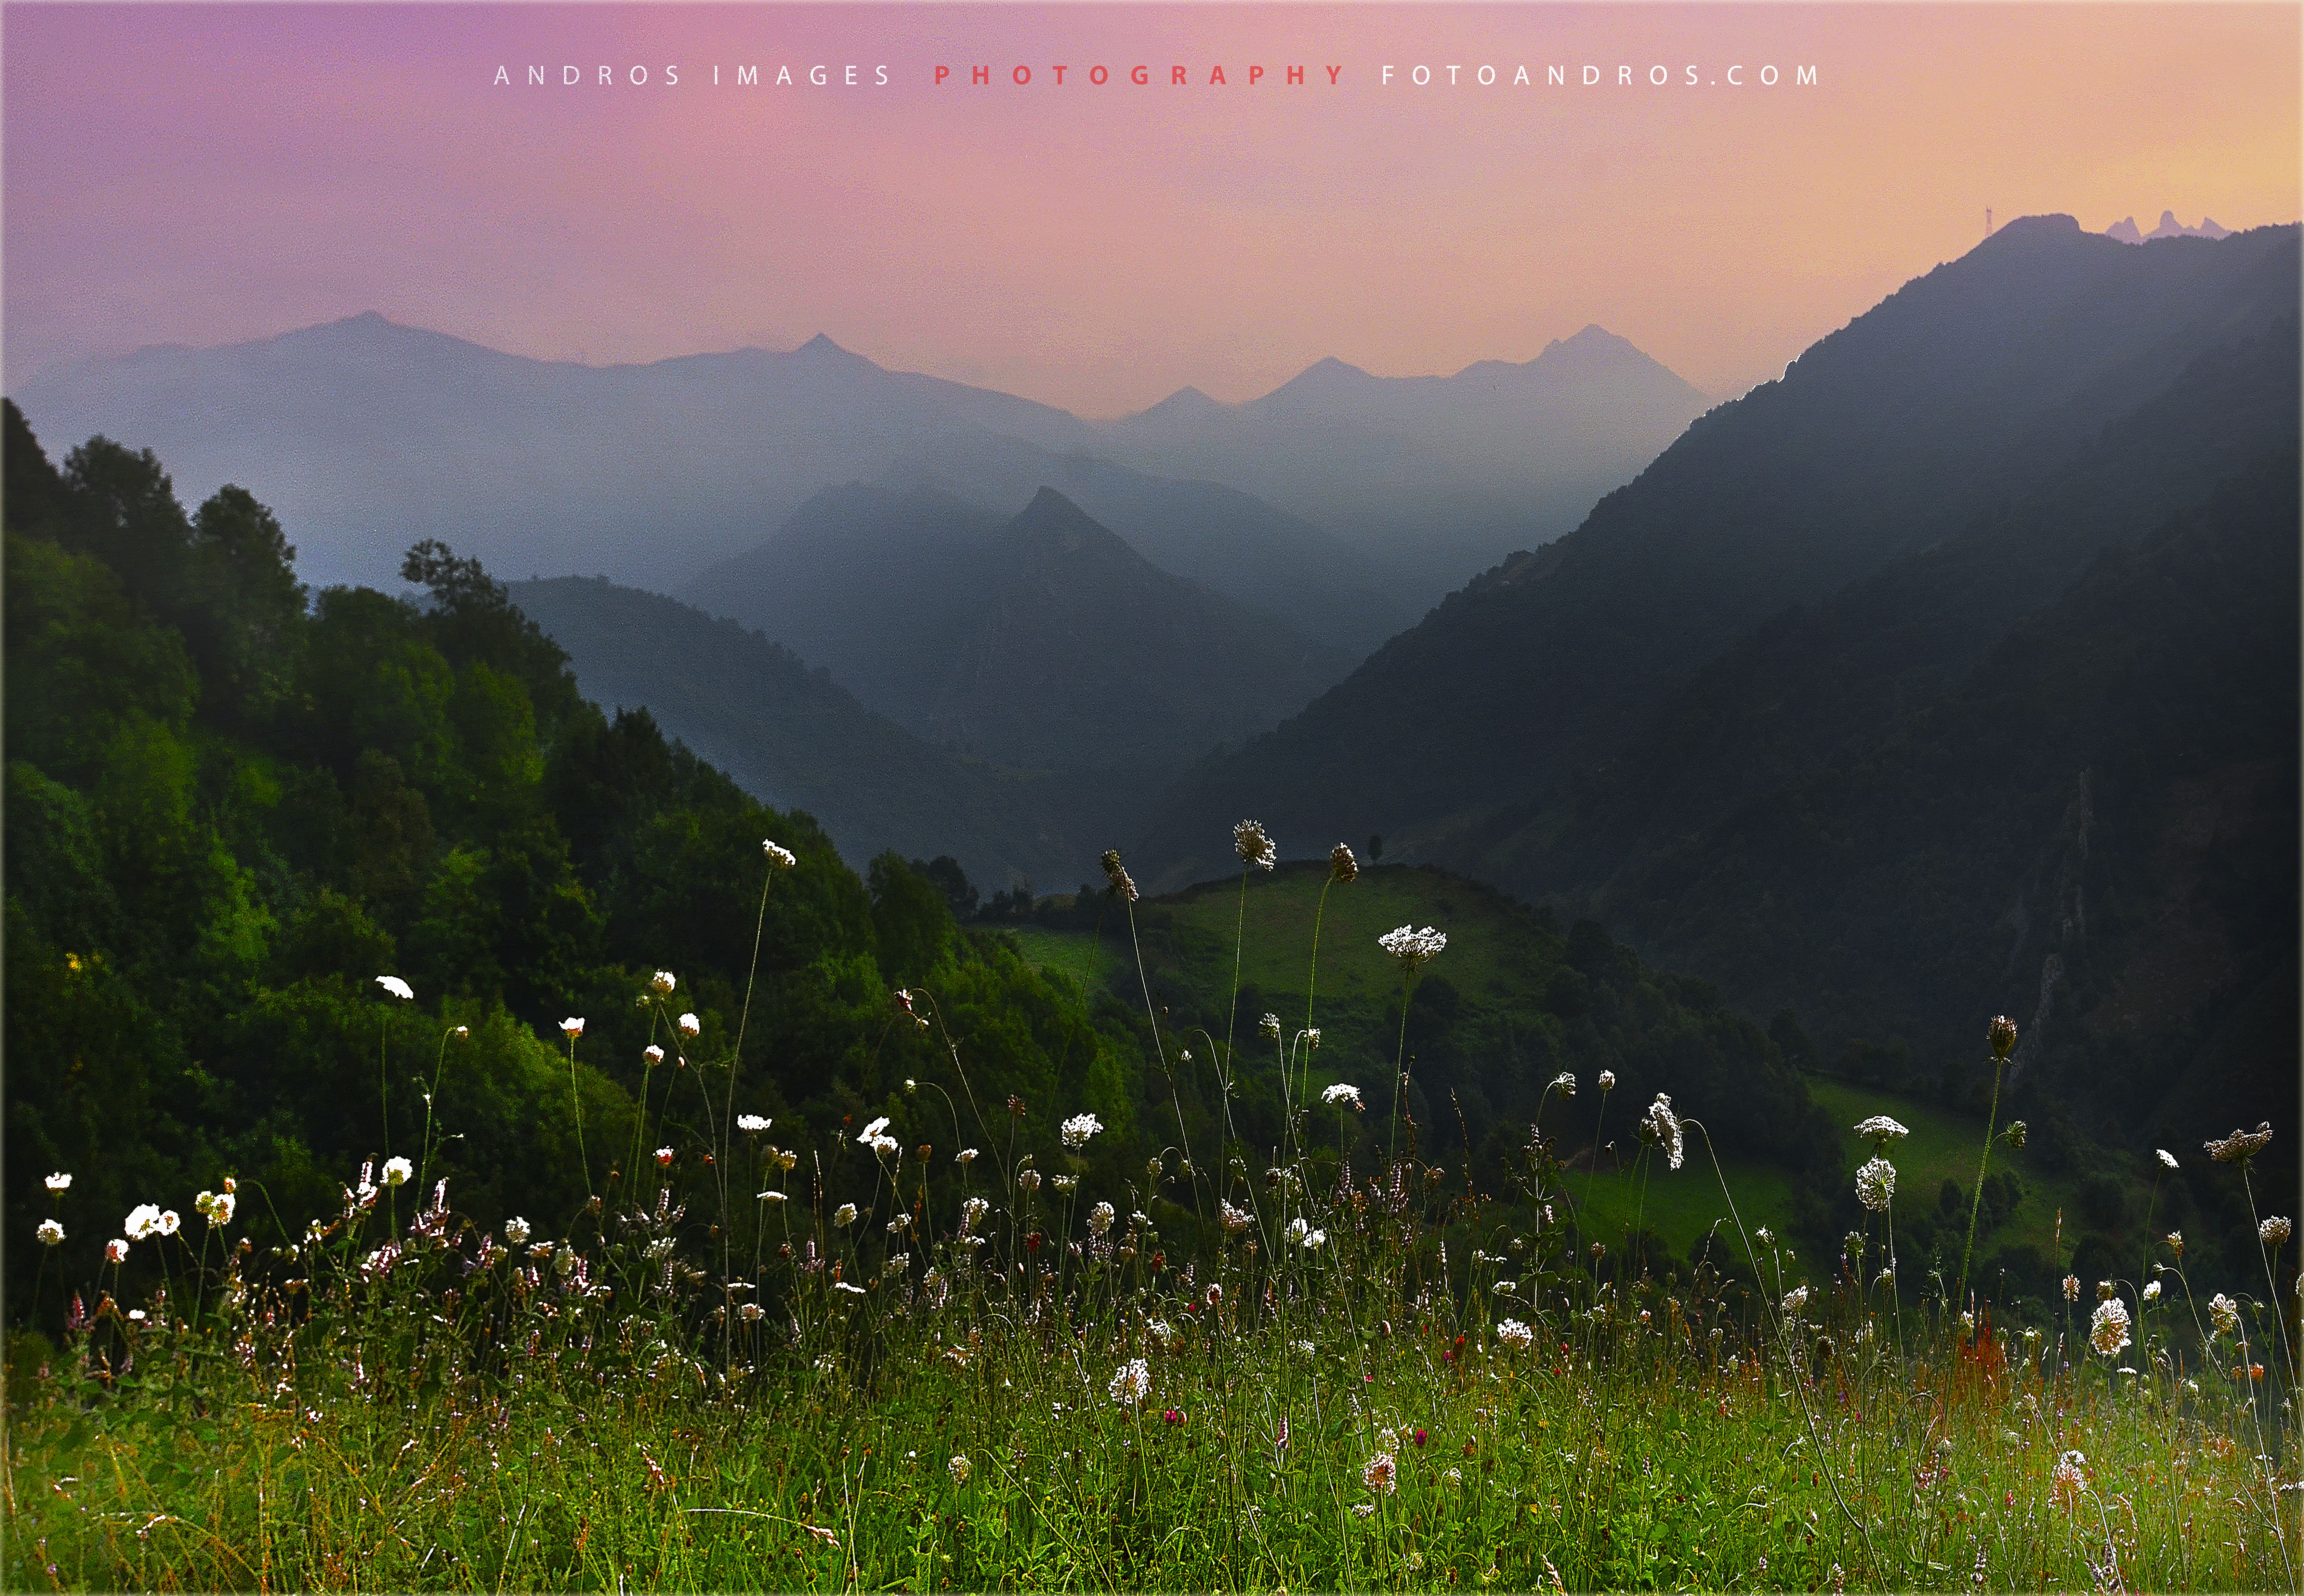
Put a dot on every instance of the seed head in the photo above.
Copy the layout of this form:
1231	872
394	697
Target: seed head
1875	1185
1117	874
2241	1146
2108	1331
2223	1313
1661	1127
2272	1232
1341	865
1254	847
2001	1034
958	1468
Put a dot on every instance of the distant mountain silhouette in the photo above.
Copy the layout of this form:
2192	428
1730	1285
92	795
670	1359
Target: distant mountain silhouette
2125	229
796	739
1963	392
1442	475
1045	640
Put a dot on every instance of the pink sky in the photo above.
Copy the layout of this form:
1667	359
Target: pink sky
204	174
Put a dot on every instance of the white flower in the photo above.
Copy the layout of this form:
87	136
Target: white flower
1875	1185
885	1146
1515	1334
1381	1474
2223	1313
1340	1094
1881	1129
2151	1290
1363	1509
2067	1480
398	1172
966	1155
1564	1084
958	1468
517	1231
572	1027
60	1183
1298	1229
844	1215
1796	1299
871	1133
1079	1128
1066	1183
396	986
2272	1232
689	1026
2072	1289
1027	1180
653	1054
753	1122
770	1196
216	1207
1233	1219
1161	1332
1100	1217
1607	1080
782	858
115	1251
971	1214
1767	1237
2108	1331
1253	846
1660	1125
50	1233
1411	947
1315	1238
2166	1157
850	1290
168	1223
662	983
1133	1383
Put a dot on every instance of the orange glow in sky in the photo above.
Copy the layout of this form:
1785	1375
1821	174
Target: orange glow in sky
204	174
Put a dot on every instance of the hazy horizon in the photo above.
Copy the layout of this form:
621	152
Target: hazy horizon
213	174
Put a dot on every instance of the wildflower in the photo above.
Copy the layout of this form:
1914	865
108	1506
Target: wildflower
1249	842
396	986
1311	1036
2105	1290
1118	876
1411	947
572	1027
1796	1299
1381	1474
2072	1289
662	983
2108	1331
2223	1313
966	1155
1607	1080
2241	1146
754	1123
1066	1183
2151	1290
1341	1093
463	1033
1661	1126
663	1157
2002	1035
690	1024
871	1133
782	859
1875	1185
850	1290
398	1172
1880	1130
1341	865
1967	1329
1887	1277
1100	1217
885	1146
1161	1332
750	1313
2016	1132
50	1233
1564	1084
1027	1180
1079	1128
769	1196
1133	1383
1298	1229
1363	1509
517	1231
2272	1232
2176	1245
844	1215
653	1054
60	1183
216	1207
115	1251
786	1160
958	1468
1315	1238
1270	1026
2067	1480
1215	1295
1515	1334
168	1223
1233	1219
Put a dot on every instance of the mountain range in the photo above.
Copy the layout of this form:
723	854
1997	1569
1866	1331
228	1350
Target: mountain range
2126	231
365	435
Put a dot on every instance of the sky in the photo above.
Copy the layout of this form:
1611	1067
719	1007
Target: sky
206	175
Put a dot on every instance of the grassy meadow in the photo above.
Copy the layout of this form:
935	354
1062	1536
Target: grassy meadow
1326	1364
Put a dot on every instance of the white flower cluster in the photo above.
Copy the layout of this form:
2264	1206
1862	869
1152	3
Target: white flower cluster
1661	1126
782	859
1133	1383
1253	846
1875	1185
1881	1130
1411	947
1079	1128
1515	1334
1342	1094
2108	1331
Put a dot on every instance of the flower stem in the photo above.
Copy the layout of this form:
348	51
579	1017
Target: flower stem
1976	1205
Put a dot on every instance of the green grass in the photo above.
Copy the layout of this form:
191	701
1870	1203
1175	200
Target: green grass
1684	1207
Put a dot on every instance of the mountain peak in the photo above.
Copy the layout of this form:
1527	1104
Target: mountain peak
821	345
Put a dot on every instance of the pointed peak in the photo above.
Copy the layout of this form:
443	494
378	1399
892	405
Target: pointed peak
820	344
